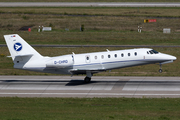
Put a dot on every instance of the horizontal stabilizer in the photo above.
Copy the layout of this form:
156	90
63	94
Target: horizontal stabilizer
21	55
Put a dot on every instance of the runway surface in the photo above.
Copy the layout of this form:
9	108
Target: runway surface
89	4
100	86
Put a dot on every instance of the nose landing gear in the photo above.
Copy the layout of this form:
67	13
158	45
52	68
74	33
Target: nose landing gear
160	70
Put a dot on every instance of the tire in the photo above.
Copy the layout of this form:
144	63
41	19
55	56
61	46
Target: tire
160	70
87	79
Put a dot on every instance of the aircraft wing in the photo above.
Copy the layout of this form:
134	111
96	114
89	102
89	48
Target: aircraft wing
83	71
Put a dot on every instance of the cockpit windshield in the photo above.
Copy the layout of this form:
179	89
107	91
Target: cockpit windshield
153	52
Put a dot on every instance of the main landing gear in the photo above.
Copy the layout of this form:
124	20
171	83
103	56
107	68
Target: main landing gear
87	79
160	70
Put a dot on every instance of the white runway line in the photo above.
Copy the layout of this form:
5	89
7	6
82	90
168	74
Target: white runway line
56	85
152	85
89	4
139	4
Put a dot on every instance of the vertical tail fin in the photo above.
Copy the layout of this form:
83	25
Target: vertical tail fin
19	49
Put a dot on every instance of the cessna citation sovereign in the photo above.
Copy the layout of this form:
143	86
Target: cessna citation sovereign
27	58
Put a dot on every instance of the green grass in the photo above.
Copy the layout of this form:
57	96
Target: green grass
90	108
98	38
102	25
103	11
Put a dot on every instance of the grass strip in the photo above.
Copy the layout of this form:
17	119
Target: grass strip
90	108
101	25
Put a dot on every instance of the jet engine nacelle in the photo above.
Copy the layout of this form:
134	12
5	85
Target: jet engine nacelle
61	62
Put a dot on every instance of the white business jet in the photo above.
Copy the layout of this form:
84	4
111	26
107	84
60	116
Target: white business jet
27	58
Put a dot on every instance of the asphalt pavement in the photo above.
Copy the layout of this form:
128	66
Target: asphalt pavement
100	86
89	4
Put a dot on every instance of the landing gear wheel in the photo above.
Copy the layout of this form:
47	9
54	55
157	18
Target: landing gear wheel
87	79
160	70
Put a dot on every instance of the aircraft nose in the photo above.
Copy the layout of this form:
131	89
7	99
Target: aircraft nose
173	58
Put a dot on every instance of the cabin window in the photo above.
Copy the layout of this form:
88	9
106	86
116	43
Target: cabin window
115	55
102	56
109	56
87	58
129	54
135	53
95	57
147	52
122	55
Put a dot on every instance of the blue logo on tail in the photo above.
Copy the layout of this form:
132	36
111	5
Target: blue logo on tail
17	47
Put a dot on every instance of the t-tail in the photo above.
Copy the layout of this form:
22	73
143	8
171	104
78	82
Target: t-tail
21	52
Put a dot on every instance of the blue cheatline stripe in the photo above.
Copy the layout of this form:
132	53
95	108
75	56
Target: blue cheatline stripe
116	62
